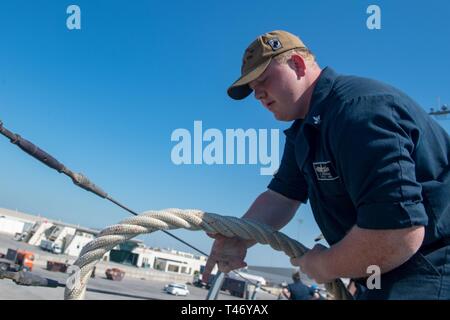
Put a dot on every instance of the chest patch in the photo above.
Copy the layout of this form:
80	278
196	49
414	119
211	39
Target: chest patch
324	171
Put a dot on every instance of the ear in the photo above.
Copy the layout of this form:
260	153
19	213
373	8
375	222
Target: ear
298	64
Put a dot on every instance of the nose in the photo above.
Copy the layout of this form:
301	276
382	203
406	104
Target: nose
259	93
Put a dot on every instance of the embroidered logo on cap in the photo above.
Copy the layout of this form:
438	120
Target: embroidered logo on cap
325	171
275	44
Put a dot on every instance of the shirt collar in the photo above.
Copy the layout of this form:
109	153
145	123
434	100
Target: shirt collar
321	91
316	109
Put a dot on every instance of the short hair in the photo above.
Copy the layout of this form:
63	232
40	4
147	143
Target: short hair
296	276
305	53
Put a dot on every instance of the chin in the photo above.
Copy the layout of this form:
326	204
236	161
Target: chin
282	118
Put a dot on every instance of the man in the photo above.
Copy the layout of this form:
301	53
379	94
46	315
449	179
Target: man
374	166
298	290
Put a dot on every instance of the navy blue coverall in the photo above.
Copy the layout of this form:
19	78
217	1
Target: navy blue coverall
367	155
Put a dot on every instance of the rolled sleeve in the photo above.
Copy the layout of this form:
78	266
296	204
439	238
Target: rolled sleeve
374	152
288	180
391	215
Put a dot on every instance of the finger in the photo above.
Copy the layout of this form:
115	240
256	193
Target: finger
214	257
296	261
216	236
223	266
319	247
210	264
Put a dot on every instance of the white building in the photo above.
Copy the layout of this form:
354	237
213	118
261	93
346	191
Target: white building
13	221
10	226
69	237
135	253
177	262
76	242
37	233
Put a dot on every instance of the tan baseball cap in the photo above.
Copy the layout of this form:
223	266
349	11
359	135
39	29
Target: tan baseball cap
258	56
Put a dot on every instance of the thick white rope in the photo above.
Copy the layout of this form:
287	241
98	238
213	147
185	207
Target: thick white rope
151	221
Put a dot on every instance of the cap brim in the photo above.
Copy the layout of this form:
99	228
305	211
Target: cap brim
240	89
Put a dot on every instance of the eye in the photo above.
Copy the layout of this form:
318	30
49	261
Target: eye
264	80
260	81
257	82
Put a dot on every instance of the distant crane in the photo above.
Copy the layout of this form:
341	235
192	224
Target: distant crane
442	112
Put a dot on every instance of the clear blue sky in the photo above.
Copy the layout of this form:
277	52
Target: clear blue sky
105	99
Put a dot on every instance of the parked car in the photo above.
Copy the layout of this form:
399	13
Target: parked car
177	289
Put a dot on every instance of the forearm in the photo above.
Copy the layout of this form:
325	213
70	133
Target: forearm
272	209
361	248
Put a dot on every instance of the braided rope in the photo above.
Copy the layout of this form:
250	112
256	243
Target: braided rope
151	221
